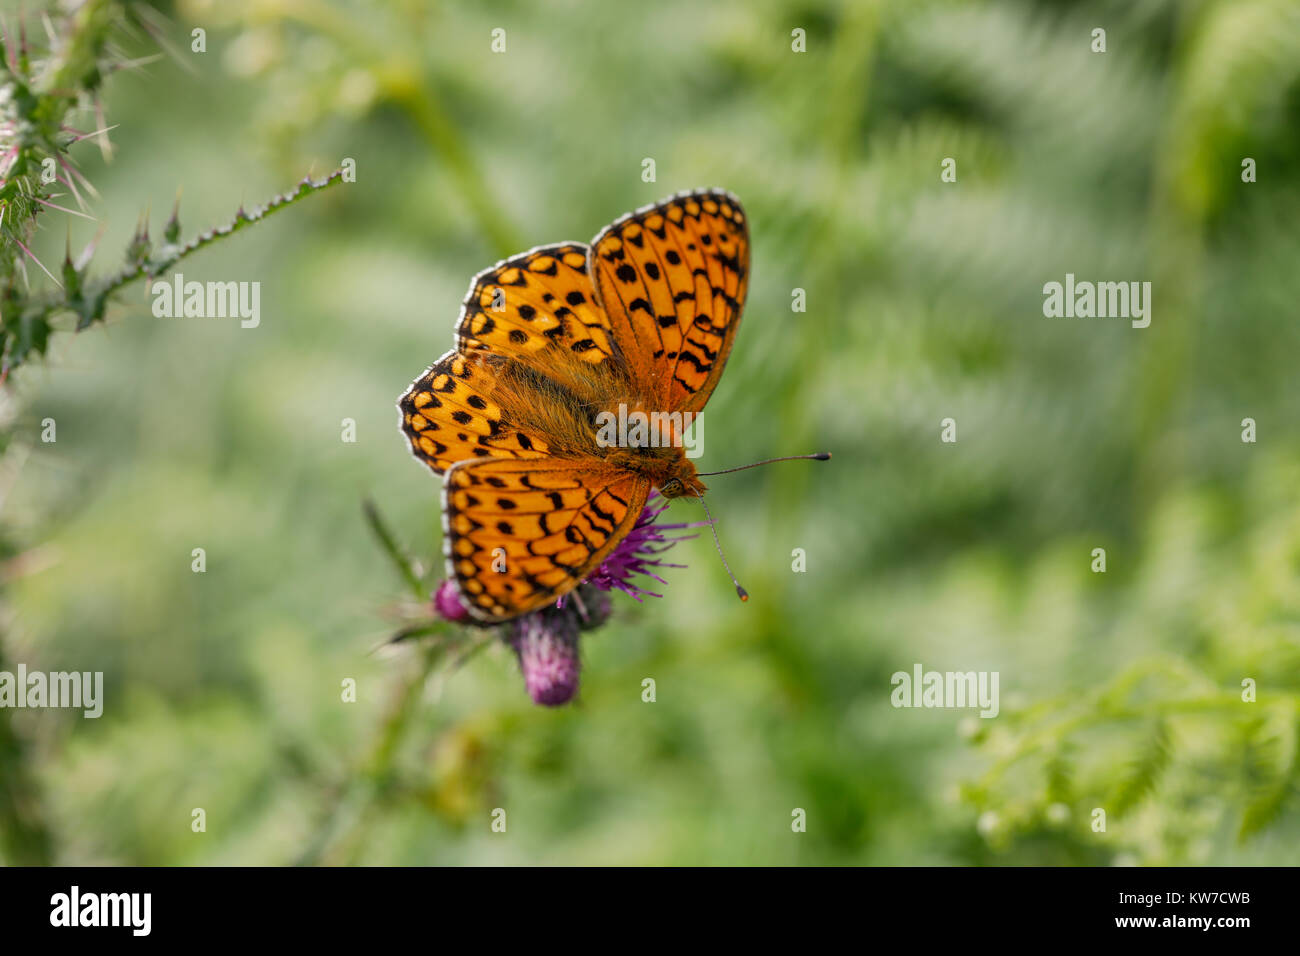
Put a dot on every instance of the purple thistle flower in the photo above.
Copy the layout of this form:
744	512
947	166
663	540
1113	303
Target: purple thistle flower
546	641
638	554
446	601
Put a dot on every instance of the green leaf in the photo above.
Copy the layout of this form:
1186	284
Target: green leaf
1144	772
1273	764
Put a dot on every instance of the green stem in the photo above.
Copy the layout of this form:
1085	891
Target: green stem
391	548
446	142
349	803
399	81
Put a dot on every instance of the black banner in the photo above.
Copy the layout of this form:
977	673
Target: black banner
333	905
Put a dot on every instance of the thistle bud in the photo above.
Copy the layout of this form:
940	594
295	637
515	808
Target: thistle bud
546	643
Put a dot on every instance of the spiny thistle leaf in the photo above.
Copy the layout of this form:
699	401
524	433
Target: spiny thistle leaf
143	261
40	90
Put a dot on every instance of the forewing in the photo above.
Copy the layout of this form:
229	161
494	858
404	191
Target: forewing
537	307
672	280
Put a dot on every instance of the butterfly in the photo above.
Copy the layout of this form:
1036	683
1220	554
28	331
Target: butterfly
643	317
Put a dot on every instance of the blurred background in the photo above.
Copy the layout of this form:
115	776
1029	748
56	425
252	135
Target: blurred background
1120	690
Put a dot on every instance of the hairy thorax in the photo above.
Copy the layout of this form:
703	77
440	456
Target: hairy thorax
668	469
570	409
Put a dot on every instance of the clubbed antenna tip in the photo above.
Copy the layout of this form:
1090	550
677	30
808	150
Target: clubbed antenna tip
817	456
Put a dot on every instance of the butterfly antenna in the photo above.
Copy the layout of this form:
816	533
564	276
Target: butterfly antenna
819	456
744	595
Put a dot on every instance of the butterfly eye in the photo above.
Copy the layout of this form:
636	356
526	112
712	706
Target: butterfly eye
672	488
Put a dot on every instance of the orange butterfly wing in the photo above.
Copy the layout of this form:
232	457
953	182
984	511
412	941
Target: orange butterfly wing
672	278
448	415
518	534
537	309
649	311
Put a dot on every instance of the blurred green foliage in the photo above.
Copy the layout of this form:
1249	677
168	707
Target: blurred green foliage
1120	690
